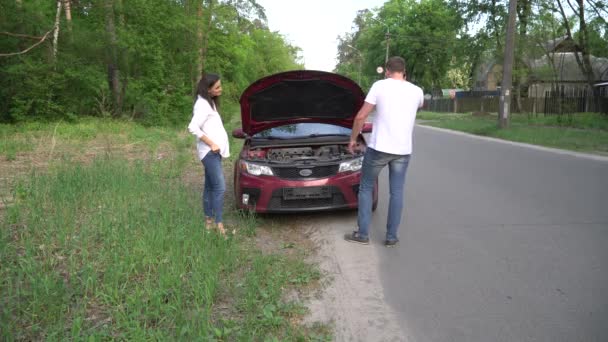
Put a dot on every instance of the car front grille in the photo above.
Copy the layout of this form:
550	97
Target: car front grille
277	202
316	172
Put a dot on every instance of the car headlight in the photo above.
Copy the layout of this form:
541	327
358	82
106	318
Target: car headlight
351	165
255	169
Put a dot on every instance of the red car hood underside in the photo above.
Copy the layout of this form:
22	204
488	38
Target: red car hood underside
300	96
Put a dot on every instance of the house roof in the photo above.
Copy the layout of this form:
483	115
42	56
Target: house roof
484	69
562	66
560	44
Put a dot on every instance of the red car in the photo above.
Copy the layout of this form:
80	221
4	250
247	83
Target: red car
296	127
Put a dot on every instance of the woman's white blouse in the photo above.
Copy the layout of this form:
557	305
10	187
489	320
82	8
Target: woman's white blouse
207	121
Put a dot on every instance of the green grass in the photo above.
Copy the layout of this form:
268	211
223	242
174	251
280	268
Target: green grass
584	132
27	137
115	249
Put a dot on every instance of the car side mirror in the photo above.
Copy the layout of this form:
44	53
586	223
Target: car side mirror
238	133
367	127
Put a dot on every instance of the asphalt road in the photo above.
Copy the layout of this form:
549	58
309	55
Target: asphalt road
499	242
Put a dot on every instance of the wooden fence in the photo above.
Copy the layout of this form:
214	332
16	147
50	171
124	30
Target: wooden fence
554	102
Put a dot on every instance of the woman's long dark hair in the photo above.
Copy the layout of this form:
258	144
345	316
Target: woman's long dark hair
202	90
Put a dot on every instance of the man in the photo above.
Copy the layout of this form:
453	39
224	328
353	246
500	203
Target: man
396	102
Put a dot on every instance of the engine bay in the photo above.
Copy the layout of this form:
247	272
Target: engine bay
303	154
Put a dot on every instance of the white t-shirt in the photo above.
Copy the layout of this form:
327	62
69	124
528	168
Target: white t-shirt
396	105
207	121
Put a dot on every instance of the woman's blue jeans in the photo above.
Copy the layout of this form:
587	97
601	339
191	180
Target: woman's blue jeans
215	186
373	162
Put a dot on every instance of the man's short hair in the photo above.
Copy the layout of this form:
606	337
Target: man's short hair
395	64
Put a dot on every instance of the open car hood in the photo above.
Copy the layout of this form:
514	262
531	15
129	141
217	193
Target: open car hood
300	96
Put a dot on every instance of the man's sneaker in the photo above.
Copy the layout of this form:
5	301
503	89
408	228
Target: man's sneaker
391	243
354	237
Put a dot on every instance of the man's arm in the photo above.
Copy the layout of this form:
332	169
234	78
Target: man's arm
358	124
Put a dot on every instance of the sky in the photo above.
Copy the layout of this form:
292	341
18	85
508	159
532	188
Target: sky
314	25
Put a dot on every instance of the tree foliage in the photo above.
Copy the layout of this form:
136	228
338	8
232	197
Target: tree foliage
445	42
426	33
131	58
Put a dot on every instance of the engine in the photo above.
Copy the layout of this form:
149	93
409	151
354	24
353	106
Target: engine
327	153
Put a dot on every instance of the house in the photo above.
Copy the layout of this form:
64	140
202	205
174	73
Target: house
561	44
560	71
557	68
488	77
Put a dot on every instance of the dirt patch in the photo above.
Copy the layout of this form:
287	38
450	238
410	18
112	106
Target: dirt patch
283	236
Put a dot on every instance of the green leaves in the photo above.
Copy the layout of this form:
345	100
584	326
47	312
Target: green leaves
446	42
153	45
423	32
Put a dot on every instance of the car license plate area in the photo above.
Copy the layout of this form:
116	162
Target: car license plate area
306	193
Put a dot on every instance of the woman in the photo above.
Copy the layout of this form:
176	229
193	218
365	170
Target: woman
212	146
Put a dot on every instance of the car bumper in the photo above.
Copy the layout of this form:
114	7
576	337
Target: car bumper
267	194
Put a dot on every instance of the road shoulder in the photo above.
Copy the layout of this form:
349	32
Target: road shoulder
353	297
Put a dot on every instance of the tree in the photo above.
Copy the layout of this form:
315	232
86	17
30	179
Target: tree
350	58
425	33
597	39
67	5
583	61
113	63
138	59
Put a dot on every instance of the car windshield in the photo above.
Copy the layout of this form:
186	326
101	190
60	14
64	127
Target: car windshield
303	130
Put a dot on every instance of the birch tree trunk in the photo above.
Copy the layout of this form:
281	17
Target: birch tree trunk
56	32
68	13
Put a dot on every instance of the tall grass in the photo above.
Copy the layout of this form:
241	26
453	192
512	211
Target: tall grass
116	249
30	136
108	250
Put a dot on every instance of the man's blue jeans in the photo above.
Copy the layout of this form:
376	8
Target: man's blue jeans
215	186
373	162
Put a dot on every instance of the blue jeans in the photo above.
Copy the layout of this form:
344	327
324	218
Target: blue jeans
373	162
215	186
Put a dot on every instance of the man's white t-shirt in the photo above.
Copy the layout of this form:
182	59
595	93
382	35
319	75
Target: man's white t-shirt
396	104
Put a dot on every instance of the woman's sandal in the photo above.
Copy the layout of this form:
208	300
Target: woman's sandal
209	224
221	229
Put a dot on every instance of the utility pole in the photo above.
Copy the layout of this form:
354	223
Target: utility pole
505	92
387	35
